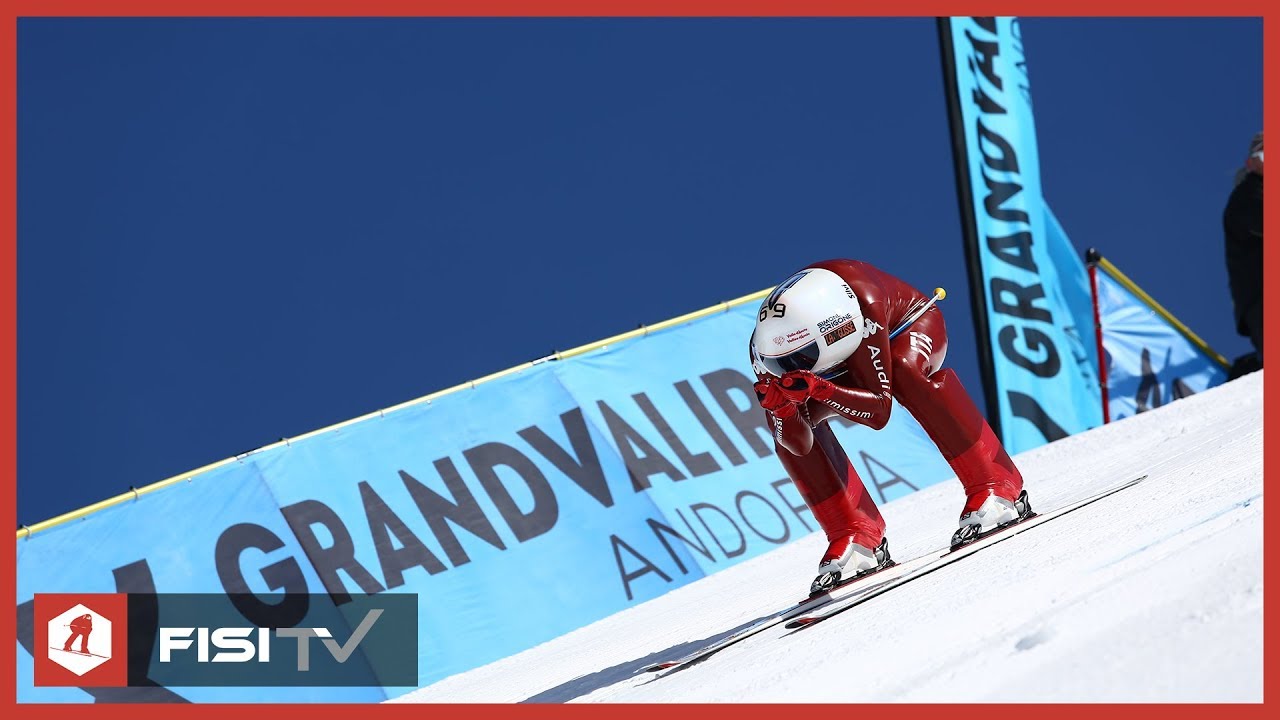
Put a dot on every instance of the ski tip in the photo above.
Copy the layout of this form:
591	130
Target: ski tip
801	622
661	666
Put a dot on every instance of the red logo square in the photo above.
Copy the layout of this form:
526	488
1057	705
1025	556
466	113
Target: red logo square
82	639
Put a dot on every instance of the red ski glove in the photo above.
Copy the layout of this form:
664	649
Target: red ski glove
771	397
800	385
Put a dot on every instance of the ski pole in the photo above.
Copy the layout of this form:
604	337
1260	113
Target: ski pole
938	294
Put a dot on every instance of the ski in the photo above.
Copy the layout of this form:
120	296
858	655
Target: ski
854	592
813	616
841	591
77	652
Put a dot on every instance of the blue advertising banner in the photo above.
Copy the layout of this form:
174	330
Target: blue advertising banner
516	510
1149	361
1039	375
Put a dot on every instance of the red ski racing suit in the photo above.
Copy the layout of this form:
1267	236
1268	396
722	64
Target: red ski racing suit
80	627
907	369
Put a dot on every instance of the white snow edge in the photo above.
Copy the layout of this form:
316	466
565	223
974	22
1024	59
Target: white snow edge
1152	595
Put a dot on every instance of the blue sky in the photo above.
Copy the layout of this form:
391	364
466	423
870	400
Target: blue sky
231	231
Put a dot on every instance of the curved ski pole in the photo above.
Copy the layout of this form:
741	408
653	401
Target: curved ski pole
938	294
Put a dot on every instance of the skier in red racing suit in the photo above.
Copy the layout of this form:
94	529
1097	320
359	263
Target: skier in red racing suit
821	349
81	627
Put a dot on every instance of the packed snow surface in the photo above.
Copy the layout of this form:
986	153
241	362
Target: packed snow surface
1152	594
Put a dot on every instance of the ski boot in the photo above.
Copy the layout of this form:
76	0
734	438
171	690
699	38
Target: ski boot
992	514
846	561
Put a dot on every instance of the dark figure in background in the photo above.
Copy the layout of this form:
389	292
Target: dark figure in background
1242	224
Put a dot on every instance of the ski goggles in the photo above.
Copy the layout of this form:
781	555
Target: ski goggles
804	358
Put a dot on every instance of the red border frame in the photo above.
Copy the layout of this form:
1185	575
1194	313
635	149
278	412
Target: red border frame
626	8
550	8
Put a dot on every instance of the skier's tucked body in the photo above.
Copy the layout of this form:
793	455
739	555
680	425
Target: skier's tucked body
821	349
80	627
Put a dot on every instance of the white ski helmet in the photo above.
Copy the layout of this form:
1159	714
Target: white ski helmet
812	321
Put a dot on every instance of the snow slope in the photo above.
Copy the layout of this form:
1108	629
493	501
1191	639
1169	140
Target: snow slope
1153	594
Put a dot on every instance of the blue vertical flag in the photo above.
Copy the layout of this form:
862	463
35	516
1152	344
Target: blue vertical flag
1151	358
1029	288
